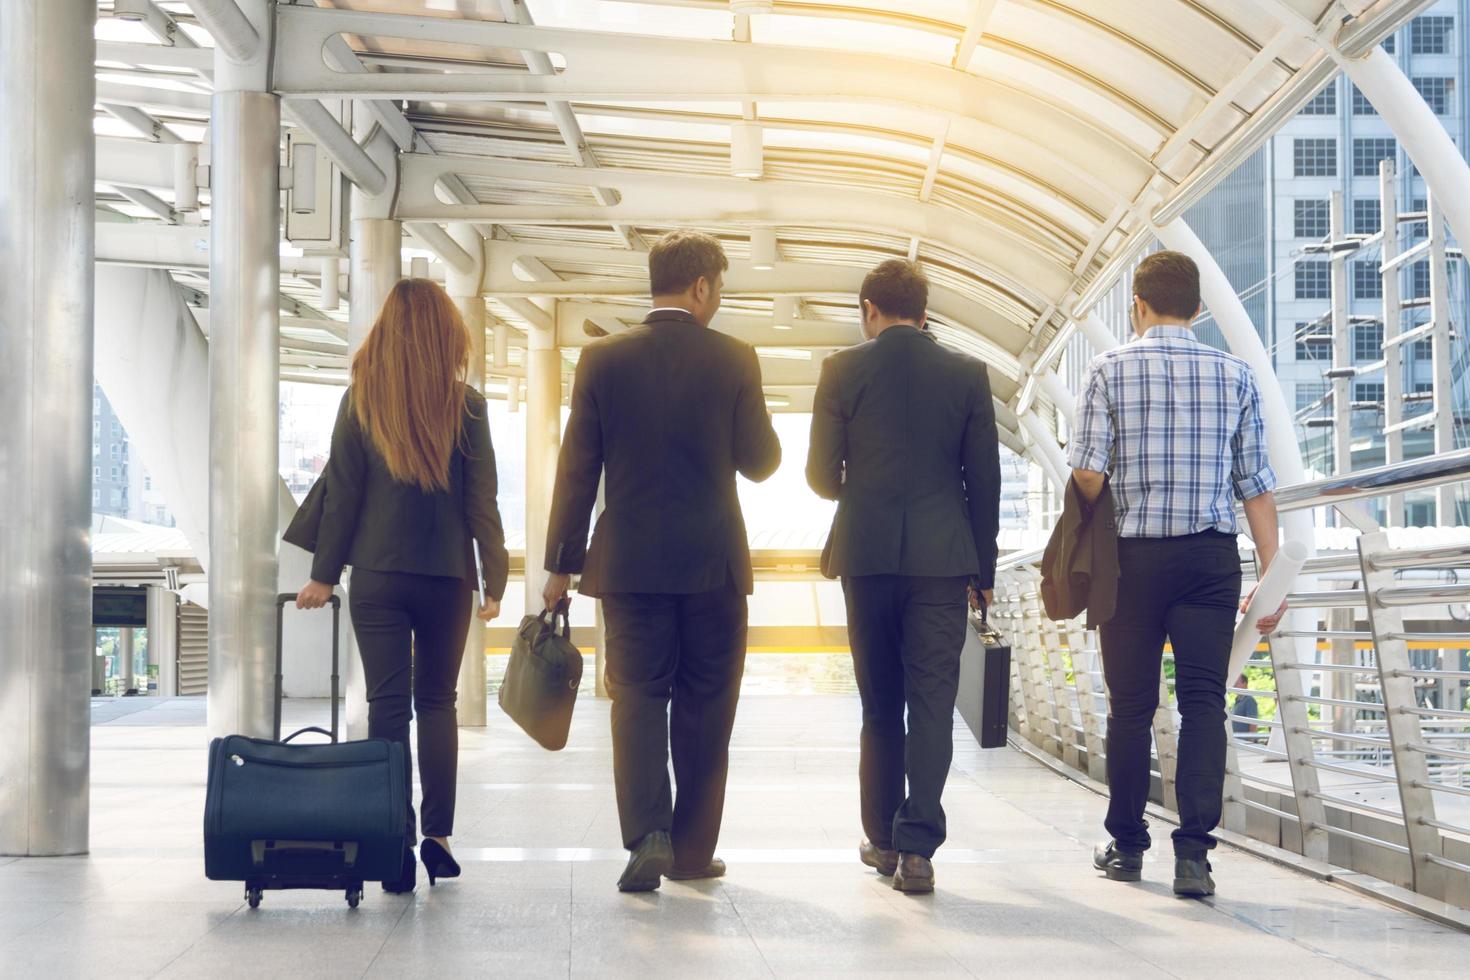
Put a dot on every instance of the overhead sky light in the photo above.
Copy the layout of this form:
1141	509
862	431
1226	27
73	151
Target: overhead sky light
747	150
763	249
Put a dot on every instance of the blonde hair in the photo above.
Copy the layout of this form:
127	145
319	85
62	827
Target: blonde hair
408	383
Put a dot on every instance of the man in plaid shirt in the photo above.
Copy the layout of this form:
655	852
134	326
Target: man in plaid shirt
1177	425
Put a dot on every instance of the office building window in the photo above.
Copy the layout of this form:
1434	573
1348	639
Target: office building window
1422	350
96	472
116	429
1368	342
1419	288
1361	105
147	482
1367	154
1308	394
1367	280
1368	391
1324	103
1431	34
1390	43
1314	279
96	496
1439	92
116	474
96	449
1314	158
96	428
116	451
1367	216
1313	342
1311	218
116	498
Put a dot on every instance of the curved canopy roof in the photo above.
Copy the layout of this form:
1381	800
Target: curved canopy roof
1019	148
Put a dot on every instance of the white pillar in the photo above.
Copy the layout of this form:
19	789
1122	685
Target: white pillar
1444	397
46	245
1061	396
1420	132
163	638
1393	365
543	442
1230	315
244	405
464	288
1045	451
1097	332
1342	372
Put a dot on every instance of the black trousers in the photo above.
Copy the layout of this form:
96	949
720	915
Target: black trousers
674	664
411	633
1186	588
906	634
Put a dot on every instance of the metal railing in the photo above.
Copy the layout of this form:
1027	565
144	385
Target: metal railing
1360	756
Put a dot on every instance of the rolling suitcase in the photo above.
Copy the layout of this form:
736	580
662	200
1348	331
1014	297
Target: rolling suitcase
279	815
985	682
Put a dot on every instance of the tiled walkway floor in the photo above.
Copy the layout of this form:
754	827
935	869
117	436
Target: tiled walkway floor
538	836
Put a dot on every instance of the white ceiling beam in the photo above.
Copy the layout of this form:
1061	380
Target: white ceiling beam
151	98
752	327
643	68
149	202
155	55
1000	247
142	123
979	18
227	24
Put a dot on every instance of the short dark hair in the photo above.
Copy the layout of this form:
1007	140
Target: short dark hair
897	288
1169	283
679	258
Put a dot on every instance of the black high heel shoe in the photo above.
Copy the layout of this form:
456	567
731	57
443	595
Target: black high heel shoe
438	862
407	877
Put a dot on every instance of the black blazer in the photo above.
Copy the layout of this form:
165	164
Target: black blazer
370	520
903	438
671	411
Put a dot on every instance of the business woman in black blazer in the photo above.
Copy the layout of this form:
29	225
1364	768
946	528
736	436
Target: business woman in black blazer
410	481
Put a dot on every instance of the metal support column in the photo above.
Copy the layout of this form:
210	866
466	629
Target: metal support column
1341	374
1296	732
464	289
244	406
1393	354
1444	396
46	236
163	638
543	443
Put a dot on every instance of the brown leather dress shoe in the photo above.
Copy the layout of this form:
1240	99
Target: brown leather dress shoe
883	861
715	869
915	874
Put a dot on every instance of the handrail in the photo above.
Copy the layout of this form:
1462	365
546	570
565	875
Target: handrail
1394	478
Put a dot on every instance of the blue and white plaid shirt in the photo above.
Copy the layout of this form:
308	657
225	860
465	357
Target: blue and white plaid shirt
1179	426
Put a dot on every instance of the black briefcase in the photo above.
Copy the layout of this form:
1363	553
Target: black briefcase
985	682
309	815
541	681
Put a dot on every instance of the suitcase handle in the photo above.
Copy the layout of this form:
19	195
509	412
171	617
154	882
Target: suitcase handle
309	728
335	601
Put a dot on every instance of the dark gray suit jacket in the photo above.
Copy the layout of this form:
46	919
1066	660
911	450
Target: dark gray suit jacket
671	411
370	520
903	438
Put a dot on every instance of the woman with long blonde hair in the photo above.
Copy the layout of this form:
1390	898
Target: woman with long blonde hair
410	487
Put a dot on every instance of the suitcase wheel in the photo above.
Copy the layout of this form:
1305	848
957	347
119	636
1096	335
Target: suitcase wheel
354	895
252	895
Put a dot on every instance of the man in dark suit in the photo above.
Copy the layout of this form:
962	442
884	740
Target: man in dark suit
903	438
670	411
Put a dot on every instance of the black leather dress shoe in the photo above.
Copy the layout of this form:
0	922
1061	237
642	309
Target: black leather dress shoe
1192	878
915	874
715	869
880	859
1116	863
650	861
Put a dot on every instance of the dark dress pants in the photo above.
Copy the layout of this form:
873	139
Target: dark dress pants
411	633
1187	589
674	664
906	633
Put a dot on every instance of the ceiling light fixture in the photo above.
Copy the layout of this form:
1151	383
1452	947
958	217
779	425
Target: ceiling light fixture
783	312
763	249
747	150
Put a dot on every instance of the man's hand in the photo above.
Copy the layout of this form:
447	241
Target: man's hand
1266	624
555	590
489	610
313	595
978	594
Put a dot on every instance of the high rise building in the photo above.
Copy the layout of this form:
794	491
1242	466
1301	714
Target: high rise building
120	487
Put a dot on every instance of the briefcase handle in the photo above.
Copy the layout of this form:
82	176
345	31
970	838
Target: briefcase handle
559	616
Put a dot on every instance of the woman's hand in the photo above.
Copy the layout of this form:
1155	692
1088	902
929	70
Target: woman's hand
313	595
489	610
